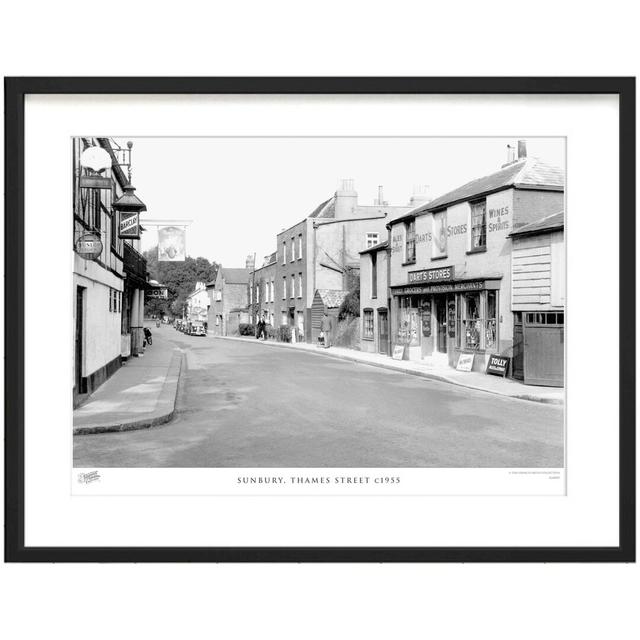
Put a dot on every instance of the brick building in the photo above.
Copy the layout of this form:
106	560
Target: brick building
374	298
322	252
262	291
450	264
228	301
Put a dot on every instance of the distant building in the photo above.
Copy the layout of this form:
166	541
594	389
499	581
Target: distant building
197	303
538	286
321	252
228	301
374	304
325	301
450	263
262	292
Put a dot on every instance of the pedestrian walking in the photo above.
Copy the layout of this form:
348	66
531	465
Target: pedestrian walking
326	326
262	329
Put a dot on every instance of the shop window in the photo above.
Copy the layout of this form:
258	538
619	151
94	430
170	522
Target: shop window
408	322
374	275
472	321
439	235
410	242
372	240
367	324
479	225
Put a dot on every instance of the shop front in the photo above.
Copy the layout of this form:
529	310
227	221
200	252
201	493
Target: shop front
437	322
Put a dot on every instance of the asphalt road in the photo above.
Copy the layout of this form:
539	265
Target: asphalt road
251	405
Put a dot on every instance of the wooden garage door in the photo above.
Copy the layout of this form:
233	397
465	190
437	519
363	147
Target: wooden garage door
544	349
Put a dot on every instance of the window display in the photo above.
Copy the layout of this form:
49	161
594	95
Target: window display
408	322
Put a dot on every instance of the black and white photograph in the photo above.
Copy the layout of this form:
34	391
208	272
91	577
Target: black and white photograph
318	303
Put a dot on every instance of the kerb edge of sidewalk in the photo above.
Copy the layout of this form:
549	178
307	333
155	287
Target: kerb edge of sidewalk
391	367
162	414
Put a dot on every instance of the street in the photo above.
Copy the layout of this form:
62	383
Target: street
245	404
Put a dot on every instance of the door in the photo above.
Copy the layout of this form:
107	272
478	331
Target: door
544	349
441	321
517	370
383	331
79	339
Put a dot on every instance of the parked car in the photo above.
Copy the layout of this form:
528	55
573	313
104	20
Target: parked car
197	329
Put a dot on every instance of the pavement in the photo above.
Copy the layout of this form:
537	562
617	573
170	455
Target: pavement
242	404
140	395
468	379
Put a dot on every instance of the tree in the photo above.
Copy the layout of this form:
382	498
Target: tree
180	279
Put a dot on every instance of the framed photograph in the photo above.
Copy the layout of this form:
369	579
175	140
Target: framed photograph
320	319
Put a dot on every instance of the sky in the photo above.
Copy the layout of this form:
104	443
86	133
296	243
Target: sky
240	192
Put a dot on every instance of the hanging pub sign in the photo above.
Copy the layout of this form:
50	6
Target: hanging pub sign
89	246
498	365
129	225
171	244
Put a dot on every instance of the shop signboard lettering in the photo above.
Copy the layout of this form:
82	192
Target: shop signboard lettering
89	246
497	219
158	292
498	365
432	275
452	287
465	362
129	225
95	182
398	352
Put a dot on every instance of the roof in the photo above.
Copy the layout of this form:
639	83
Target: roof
236	276
531	173
549	223
376	247
331	298
326	209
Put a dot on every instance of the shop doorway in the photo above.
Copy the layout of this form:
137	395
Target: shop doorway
383	331
441	324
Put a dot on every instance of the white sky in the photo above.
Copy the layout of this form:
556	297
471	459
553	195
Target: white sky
240	192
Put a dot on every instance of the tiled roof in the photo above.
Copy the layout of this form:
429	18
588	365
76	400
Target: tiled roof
236	276
548	223
326	209
332	298
530	173
376	247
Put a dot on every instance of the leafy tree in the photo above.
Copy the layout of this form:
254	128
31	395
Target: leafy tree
180	279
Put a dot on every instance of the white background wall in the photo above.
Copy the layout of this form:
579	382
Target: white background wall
360	601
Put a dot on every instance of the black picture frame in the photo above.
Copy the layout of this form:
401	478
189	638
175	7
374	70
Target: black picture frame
15	91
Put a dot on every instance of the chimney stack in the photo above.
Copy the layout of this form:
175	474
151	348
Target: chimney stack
346	200
522	149
380	201
250	262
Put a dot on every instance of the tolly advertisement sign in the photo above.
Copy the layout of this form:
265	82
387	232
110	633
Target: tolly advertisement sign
498	365
89	246
129	225
171	244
